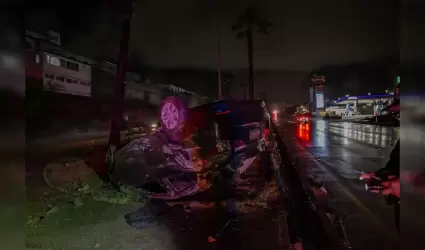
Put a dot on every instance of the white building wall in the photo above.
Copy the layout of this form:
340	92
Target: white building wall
192	98
64	75
144	92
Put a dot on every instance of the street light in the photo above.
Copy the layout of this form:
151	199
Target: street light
369	93
386	91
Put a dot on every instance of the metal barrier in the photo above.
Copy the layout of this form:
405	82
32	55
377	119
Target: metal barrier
304	222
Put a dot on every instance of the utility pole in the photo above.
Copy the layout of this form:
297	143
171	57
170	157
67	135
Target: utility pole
119	86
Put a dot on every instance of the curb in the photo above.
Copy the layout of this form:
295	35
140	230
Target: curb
377	124
306	225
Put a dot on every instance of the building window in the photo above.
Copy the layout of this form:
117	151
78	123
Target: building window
72	65
71	80
49	76
53	60
60	78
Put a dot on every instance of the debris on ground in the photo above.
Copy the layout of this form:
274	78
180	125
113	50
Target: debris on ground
211	239
78	184
269	192
74	177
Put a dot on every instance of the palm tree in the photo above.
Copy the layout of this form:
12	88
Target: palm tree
243	28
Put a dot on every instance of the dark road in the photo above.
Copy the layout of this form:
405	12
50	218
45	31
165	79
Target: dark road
336	153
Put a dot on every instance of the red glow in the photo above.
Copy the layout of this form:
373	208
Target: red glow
266	133
304	132
300	118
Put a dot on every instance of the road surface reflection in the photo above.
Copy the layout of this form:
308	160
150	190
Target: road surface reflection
304	132
335	154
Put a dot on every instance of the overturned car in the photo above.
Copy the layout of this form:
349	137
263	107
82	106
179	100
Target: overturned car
192	148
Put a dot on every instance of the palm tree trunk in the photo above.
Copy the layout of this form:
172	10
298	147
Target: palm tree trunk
119	87
251	63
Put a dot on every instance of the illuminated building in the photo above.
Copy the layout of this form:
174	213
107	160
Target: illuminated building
317	94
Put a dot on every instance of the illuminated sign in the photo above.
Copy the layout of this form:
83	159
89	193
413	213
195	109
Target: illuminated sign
320	101
316	78
319	88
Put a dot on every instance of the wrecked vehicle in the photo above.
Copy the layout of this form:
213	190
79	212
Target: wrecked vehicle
192	148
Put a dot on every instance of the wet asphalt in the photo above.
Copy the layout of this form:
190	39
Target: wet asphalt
335	154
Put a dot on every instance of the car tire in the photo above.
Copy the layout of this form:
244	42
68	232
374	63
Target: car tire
141	219
173	115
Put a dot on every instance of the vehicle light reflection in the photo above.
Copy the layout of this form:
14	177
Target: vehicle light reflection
304	132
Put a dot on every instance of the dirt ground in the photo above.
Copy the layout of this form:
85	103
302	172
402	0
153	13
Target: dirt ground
93	225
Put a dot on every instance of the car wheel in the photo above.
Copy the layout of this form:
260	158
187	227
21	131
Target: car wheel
141	219
173	116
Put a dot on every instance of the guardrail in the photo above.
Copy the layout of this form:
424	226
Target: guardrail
304	222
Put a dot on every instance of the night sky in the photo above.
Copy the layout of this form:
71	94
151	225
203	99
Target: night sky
306	35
